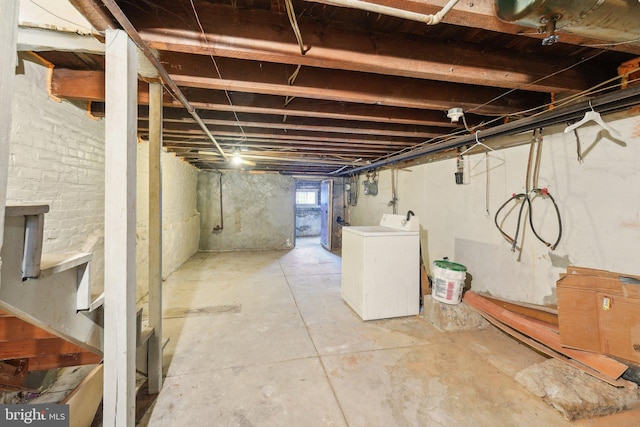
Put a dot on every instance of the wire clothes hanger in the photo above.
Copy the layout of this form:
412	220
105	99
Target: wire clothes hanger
592	116
481	144
490	152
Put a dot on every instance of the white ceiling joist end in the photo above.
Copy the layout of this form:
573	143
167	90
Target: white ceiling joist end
39	39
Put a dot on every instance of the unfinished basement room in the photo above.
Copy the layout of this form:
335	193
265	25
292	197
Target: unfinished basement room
300	213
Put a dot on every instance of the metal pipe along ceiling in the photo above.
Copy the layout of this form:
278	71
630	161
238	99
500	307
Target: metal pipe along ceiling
391	11
172	86
603	104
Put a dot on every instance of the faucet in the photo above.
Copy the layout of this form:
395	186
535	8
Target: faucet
410	214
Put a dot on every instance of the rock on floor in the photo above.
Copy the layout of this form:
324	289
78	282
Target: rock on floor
574	393
452	317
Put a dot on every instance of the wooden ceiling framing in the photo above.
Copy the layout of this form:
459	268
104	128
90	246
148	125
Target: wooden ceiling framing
366	87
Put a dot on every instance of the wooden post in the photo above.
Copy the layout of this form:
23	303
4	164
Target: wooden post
120	230
155	238
8	38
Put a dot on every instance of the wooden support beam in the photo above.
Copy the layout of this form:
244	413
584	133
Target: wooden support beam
313	126
155	238
222	126
25	348
425	120
295	138
264	36
210	102
346	86
120	230
179	146
311	84
13	328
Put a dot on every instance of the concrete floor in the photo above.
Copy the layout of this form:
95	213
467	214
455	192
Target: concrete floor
264	339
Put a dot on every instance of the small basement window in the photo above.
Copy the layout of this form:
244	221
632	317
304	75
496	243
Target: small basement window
307	197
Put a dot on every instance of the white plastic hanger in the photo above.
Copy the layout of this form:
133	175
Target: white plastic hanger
592	116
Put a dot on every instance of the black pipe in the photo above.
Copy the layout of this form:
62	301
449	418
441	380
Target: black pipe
219	228
608	103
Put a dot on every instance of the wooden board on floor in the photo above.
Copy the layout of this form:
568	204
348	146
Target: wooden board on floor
83	401
597	362
424	281
549	352
539	312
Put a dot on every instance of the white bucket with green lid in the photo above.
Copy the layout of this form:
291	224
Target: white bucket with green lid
448	281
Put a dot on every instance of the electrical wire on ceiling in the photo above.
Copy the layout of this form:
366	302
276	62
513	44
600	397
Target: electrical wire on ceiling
611	44
294	25
538	80
215	64
543	109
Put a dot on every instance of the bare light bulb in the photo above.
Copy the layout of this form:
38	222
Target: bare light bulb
236	159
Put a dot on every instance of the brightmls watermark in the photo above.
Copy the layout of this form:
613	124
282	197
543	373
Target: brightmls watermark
40	415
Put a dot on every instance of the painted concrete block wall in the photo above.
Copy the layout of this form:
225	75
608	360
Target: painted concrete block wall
258	211
57	158
598	199
180	216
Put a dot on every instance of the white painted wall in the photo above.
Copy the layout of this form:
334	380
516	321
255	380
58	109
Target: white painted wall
8	36
57	158
180	217
599	202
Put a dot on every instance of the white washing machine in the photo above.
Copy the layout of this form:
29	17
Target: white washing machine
381	268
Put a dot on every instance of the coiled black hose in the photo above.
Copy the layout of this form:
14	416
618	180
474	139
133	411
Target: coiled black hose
528	198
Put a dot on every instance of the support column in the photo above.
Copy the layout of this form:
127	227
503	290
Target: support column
8	38
120	230
155	238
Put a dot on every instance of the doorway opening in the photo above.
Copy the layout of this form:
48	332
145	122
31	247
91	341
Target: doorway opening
308	213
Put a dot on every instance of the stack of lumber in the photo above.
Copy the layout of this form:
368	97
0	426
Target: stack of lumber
538	328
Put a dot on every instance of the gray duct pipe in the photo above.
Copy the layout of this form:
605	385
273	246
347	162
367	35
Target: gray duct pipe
609	20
